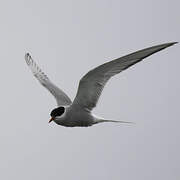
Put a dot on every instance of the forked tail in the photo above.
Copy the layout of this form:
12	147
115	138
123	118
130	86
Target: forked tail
114	121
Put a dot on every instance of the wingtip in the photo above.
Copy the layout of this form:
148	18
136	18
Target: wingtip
171	43
166	45
27	55
27	58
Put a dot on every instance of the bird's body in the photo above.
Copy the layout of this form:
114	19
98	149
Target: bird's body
78	117
79	112
75	117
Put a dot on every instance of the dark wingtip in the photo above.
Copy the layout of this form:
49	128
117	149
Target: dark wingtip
165	45
171	43
27	58
26	55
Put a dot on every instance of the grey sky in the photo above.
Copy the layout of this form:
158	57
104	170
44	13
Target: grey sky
66	39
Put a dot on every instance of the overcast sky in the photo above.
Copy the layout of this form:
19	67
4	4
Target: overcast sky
67	38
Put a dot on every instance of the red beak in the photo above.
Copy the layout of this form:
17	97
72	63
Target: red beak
52	119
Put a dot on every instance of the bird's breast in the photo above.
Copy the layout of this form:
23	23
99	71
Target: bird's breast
76	118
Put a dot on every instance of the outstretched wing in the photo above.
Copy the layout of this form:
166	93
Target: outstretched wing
61	98
92	84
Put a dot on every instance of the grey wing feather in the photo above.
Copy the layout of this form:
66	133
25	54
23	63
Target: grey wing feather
92	84
61	98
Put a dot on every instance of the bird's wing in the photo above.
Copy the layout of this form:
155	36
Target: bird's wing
92	84
61	98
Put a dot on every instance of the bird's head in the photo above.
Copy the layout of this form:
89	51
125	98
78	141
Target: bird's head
57	113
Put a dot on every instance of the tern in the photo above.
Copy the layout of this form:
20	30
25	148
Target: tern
79	112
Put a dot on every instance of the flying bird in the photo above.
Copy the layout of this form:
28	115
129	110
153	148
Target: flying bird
79	112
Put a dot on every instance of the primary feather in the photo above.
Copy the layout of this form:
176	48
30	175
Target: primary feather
92	84
61	98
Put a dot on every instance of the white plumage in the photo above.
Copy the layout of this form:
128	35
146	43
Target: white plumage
78	112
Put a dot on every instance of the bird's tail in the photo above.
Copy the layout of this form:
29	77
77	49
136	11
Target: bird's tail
114	121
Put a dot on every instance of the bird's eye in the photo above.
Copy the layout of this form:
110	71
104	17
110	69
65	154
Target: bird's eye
57	112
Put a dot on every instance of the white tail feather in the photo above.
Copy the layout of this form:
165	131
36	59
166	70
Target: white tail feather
114	121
